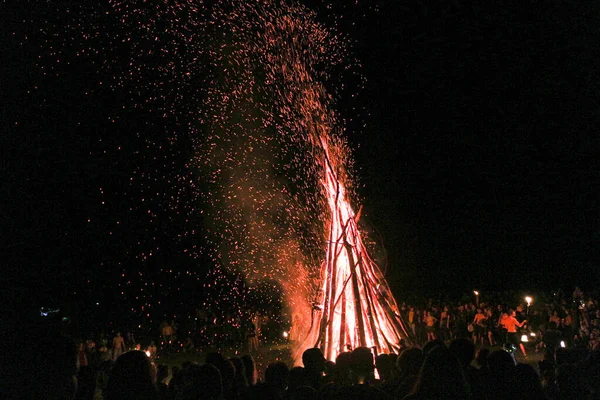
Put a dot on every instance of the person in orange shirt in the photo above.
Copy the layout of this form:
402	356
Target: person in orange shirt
556	319
168	332
510	323
430	321
411	320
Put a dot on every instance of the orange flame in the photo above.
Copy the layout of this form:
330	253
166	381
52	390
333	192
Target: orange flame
358	308
355	306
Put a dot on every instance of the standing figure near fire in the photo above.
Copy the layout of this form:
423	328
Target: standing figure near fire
430	321
509	321
118	346
478	326
252	336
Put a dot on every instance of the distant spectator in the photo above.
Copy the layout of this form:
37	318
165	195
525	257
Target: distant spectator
252	337
167	332
82	360
551	339
430	321
118	346
188	345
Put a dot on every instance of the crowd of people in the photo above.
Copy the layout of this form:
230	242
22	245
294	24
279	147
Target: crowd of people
453	351
503	318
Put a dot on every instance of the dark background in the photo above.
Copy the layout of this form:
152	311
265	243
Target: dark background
481	160
475	140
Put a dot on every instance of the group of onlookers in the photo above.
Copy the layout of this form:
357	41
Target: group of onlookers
449	353
457	370
488	322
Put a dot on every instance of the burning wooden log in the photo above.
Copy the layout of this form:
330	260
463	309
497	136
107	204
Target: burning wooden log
358	307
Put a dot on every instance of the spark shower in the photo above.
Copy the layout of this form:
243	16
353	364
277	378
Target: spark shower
254	84
351	304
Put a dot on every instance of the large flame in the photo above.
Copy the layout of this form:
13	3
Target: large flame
357	307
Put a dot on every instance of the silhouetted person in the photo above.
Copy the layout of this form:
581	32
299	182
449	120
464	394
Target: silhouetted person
131	378
86	383
342	375
527	383
329	371
431	345
441	377
240	382
464	349
177	381
409	364
314	367
385	367
500	375
276	379
200	382
296	378
226	369
362	365
481	357
250	369
162	373
302	393
551	339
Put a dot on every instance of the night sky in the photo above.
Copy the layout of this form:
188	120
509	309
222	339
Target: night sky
475	144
